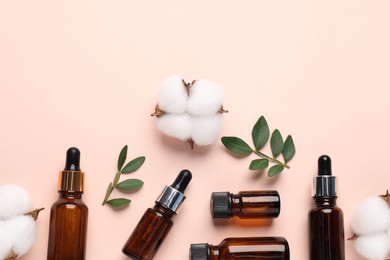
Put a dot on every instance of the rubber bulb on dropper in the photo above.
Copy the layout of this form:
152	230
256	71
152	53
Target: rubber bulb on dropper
182	180
324	166
72	159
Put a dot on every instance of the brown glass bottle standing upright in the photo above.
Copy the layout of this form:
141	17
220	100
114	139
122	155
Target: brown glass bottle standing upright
245	204
326	219
156	222
69	214
243	248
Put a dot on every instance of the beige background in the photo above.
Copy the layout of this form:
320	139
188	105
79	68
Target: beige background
86	74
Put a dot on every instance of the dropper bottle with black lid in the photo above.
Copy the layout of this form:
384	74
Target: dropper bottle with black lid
156	222
326	231
69	214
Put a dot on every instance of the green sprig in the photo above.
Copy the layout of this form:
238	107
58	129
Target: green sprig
260	137
126	185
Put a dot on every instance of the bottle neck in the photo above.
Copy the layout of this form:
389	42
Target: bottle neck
325	201
163	210
70	194
236	201
214	253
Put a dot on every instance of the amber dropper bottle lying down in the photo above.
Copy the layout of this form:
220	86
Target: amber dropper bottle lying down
258	204
243	248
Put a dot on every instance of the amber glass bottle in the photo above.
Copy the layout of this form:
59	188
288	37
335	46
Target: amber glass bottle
245	204
326	229
156	222
69	214
243	248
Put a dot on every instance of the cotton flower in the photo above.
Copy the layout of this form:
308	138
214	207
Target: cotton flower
205	129
190	111
5	243
372	216
176	125
17	222
21	233
371	226
14	201
173	96
206	98
372	246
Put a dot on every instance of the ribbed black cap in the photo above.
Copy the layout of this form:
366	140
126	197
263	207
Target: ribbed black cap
200	252
221	205
287	251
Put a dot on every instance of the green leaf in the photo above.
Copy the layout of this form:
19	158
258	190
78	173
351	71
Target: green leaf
236	145
120	202
276	143
275	170
259	164
122	157
129	185
133	165
260	133
289	149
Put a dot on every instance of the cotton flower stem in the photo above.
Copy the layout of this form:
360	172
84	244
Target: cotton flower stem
271	159
188	85
222	110
34	213
191	142
11	256
157	112
386	197
353	237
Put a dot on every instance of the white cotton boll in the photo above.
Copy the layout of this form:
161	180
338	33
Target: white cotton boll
14	201
173	95
206	129
175	125
371	216
5	243
206	98
373	246
21	232
388	238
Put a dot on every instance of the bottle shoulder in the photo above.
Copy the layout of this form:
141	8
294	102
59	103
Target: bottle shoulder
326	210
162	212
71	203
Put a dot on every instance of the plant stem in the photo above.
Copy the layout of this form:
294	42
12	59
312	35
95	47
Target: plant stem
270	158
110	188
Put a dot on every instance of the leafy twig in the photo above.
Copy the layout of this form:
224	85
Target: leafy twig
126	185
260	137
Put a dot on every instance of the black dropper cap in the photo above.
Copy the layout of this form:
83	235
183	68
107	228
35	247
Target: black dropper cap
324	166
71	178
324	183
182	180
72	159
172	196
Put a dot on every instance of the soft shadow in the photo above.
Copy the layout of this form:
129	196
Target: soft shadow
256	175
180	146
272	180
250	223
